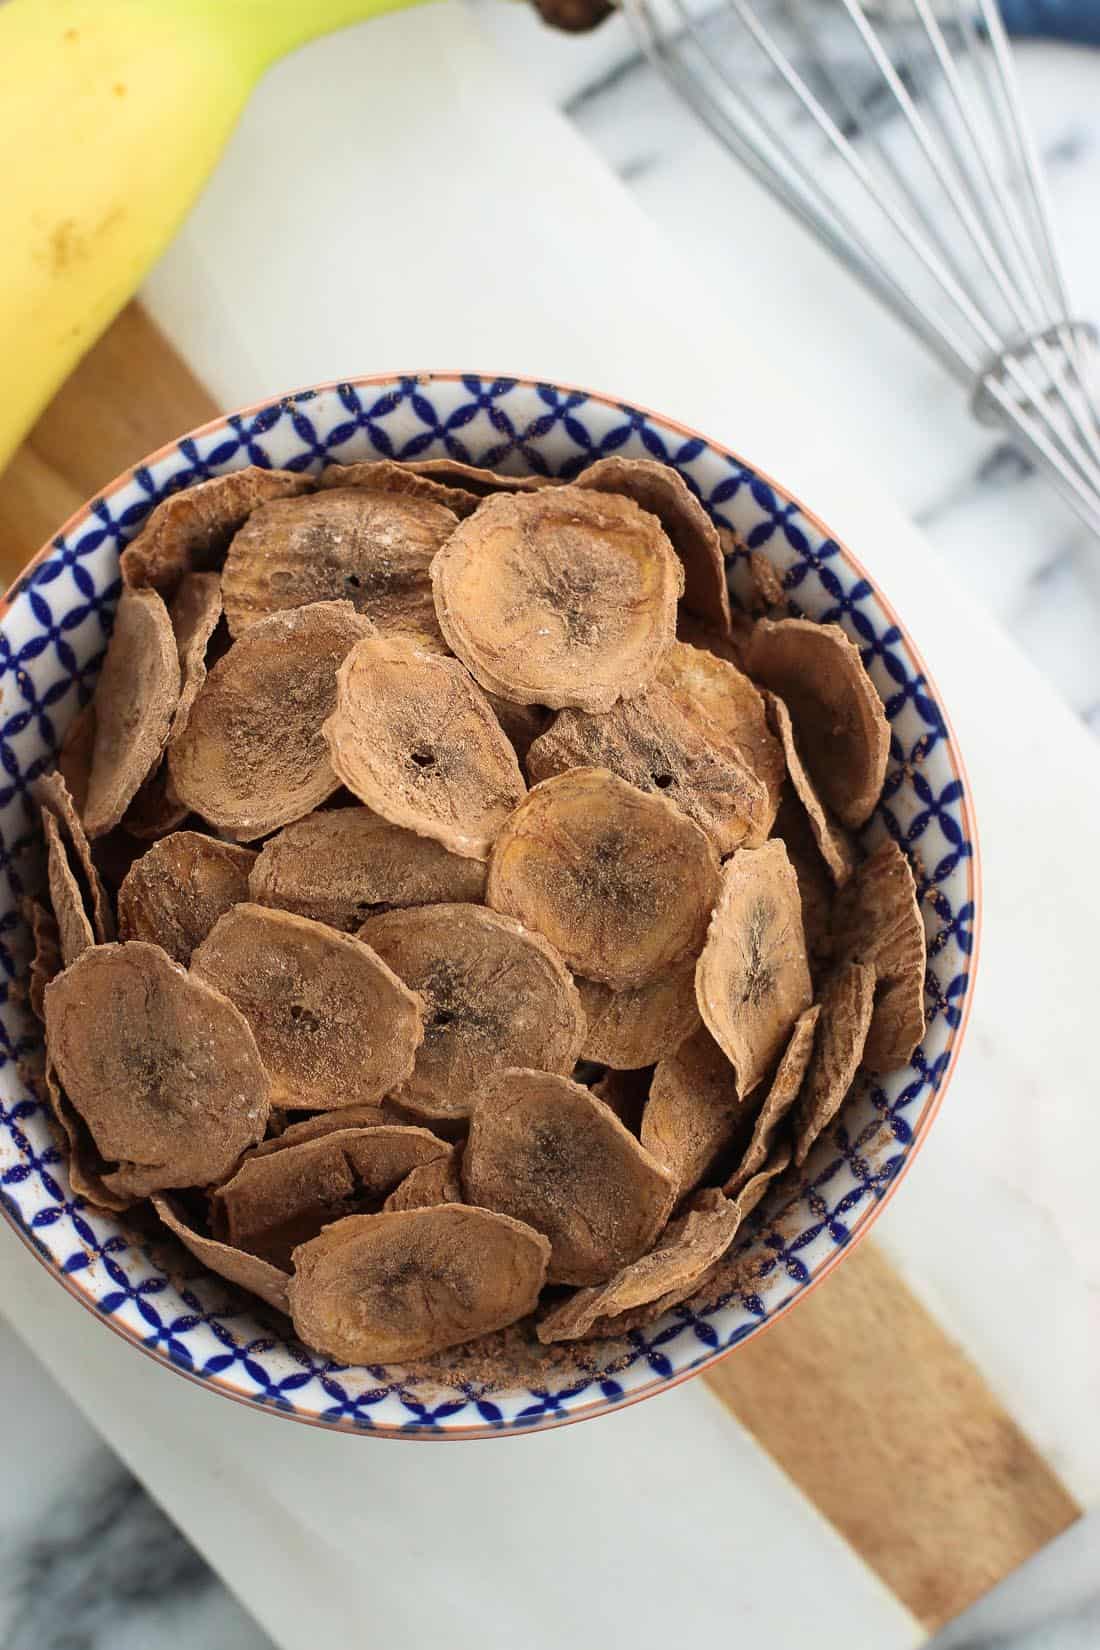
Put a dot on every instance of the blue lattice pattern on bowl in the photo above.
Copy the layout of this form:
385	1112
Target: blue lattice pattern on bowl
51	644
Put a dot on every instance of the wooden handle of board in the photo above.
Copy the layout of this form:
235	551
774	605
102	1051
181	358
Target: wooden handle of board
859	1396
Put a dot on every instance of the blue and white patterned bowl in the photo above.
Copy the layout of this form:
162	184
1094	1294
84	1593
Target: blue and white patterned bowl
52	634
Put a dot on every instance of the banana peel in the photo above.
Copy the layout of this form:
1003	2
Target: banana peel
112	115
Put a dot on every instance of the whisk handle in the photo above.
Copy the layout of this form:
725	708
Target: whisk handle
1075	20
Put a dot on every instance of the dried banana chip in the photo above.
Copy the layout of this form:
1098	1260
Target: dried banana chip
162	1068
652	744
135	698
494	995
816	888
688	1247
74	927
373	549
838	717
74	757
878	921
620	882
277	1200
730	712
175	893
560	598
333	1025
377	1289
546	1151
413	737
521	723
249	1272
833	842
253	756
694	1114
385	475
50	791
663	491
636	1027
779	1160
626	1092
191	530
781	1097
846	1004
343	864
753	980
437	1181
45	959
194	611
472	478
767	586
85	1164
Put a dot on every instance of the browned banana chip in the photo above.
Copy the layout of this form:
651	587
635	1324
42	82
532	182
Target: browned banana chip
878	921
333	1025
546	1151
277	1200
414	738
377	1289
253	756
249	1272
842	729
494	995
162	1068
51	791
688	1247
74	757
731	714
324	1122
833	841
816	888
175	893
451	472
652	744
846	1004
74	927
753	980
194	611
560	598
85	1164
342	864
437	1181
45	960
694	1113
373	549
637	1027
521	723
663	491
779	1160
190	531
620	882
781	1097
136	694
385	475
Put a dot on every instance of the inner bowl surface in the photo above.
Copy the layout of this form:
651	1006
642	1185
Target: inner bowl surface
53	631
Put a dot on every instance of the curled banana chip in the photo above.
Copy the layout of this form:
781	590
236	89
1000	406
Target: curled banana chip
190	531
878	921
636	1027
846	1005
174	894
249	1272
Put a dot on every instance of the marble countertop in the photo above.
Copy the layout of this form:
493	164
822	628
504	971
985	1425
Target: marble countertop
708	332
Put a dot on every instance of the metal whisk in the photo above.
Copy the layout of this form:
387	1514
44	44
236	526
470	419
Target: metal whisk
943	214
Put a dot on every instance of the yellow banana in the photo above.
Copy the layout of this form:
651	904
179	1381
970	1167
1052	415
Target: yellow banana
112	114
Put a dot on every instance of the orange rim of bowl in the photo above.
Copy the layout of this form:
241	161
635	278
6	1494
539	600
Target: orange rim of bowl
662	1383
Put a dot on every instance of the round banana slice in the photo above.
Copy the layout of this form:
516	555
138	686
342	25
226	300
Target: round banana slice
877	920
334	1026
640	1292
846	1004
432	1183
253	756
546	1151
373	549
781	1097
414	738
135	697
191	530
663	491
343	864
833	842
378	1289
694	1113
277	1200
162	1068
838	716
752	979
652	744
74	926
385	475
620	882
558	598
174	894
637	1027
249	1272
494	996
